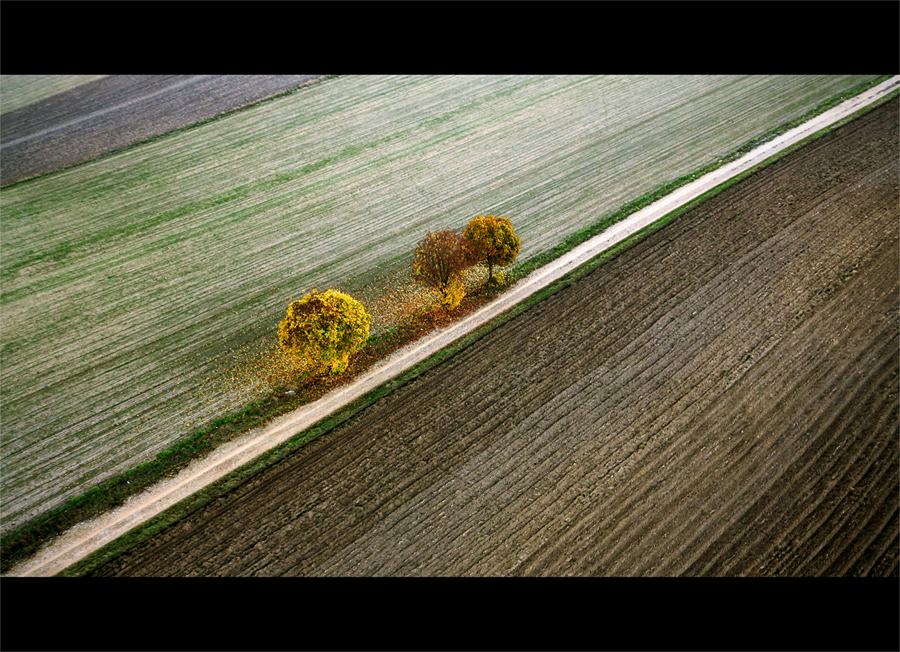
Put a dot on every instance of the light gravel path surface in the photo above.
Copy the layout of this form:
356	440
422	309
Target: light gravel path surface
90	536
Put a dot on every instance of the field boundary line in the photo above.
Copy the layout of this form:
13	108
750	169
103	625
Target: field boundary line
150	138
88	537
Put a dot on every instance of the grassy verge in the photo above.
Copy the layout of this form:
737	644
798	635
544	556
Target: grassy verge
26	540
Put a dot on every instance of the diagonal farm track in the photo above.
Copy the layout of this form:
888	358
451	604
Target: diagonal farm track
637	422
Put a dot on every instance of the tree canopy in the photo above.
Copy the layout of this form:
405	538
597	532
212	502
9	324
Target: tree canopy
324	329
439	262
492	241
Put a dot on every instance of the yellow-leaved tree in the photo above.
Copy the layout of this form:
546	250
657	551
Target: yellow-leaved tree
492	242
324	329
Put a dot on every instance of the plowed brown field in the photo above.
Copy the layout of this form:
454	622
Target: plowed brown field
719	399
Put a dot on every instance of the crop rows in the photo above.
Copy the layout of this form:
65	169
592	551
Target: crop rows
133	286
720	399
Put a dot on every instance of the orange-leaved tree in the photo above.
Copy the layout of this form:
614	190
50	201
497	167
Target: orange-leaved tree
324	329
439	262
492	241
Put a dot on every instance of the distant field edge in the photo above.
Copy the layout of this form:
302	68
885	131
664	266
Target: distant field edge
28	539
171	132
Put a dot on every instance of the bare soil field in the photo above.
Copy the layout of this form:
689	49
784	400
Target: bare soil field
719	399
134	287
116	111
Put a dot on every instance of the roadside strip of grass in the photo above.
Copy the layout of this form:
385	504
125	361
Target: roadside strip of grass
27	540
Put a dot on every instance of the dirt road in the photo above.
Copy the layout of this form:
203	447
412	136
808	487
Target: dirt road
540	403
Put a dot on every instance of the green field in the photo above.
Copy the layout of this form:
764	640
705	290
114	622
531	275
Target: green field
131	284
